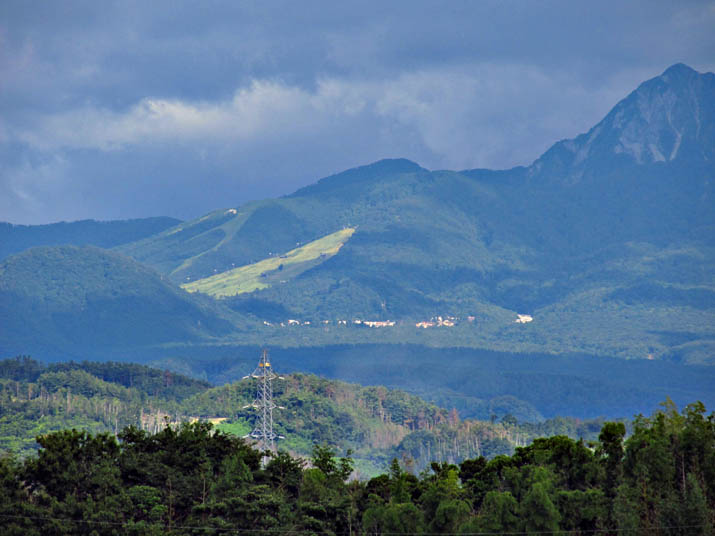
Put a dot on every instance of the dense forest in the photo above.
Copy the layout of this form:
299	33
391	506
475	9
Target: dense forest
192	479
376	423
98	397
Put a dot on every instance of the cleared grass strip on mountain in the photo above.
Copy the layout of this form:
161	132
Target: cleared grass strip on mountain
261	274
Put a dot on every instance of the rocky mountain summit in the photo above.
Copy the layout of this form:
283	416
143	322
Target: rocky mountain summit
669	117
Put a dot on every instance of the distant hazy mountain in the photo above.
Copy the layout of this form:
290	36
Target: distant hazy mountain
105	234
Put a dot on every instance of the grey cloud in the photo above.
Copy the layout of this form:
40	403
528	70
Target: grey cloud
119	109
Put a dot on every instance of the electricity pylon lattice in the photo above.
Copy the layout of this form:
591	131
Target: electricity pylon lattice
263	429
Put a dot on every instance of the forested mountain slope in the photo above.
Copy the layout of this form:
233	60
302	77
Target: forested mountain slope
104	234
36	398
70	300
606	241
376	423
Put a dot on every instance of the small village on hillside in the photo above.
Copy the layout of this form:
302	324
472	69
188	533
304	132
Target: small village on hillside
435	321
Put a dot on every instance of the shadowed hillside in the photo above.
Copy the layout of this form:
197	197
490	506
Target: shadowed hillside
104	234
80	300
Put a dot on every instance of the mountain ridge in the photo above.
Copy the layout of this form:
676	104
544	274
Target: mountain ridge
606	252
107	234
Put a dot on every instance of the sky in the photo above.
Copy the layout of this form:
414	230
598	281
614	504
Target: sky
115	110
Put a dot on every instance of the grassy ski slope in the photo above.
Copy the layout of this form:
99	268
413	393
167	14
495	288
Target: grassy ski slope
259	275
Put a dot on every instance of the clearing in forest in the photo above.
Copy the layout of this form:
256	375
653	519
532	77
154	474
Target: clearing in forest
281	267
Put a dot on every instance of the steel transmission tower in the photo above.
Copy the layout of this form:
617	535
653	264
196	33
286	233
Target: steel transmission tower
263	430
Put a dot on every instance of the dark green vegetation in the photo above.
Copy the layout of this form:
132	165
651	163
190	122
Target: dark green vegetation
375	422
71	300
36	399
188	480
104	234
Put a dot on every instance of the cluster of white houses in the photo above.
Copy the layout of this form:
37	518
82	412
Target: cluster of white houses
435	321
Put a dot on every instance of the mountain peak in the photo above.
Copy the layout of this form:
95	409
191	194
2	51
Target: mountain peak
679	70
386	165
345	181
665	118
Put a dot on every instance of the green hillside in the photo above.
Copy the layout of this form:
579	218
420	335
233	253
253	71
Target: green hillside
36	399
225	239
280	268
76	301
376	423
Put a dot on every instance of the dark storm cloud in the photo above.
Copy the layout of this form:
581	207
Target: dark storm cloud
112	110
